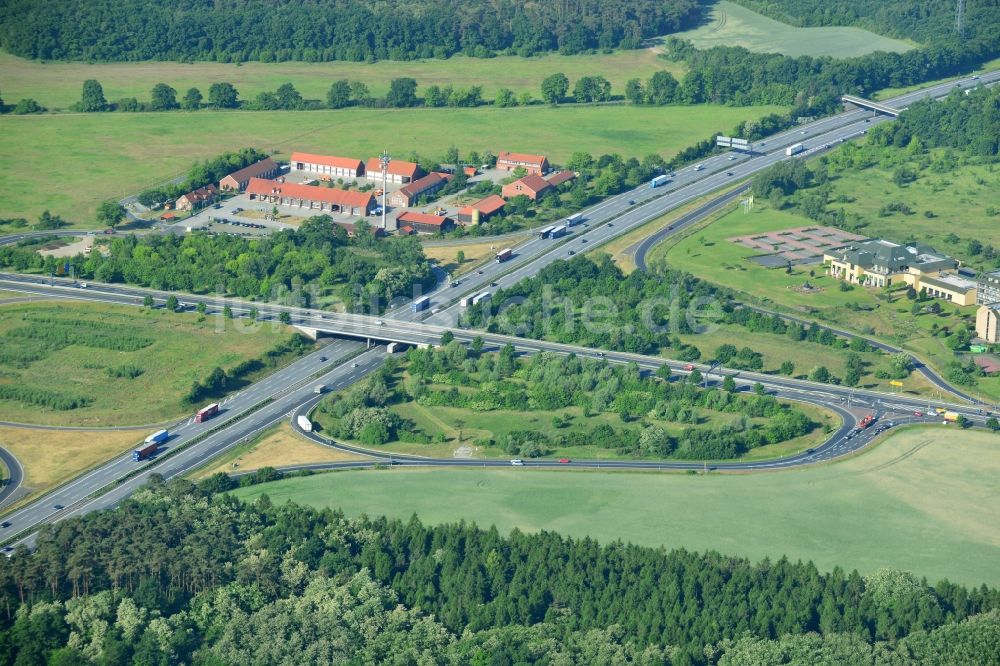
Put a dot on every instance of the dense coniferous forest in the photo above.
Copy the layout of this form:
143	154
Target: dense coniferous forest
324	30
177	575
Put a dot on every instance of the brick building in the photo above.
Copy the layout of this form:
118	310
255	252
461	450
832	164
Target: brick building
481	210
407	195
238	180
313	197
424	223
531	186
197	198
534	164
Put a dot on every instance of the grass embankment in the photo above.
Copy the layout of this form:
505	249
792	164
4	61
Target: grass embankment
50	457
57	85
729	24
104	156
962	201
475	253
925	500
277	447
132	366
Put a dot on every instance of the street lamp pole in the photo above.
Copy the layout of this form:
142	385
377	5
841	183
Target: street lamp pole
384	160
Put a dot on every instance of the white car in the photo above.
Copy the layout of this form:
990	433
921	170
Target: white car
517	462
83	285
380	322
699	167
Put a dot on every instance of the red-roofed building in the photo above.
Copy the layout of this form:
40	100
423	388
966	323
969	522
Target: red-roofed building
536	164
349	228
332	167
482	210
560	177
313	197
197	198
399	172
428	224
407	195
531	186
238	180
470	171
407	230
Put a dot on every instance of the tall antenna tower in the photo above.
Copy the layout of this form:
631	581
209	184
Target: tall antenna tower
960	17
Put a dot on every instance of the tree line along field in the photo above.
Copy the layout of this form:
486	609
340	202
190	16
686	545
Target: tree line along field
77	364
57	85
104	156
729	24
874	510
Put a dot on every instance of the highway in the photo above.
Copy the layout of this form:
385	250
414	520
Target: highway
425	333
602	222
273	397
620	214
13	482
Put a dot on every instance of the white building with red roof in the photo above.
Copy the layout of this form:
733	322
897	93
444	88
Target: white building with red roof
399	172
328	165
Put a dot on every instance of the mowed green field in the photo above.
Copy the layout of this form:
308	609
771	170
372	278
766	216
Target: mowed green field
57	85
709	254
925	501
729	24
182	351
103	156
963	201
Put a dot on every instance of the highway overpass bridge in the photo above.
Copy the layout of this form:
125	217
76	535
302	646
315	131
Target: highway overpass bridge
874	106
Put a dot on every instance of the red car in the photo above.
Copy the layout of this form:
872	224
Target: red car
564	460
689	367
918	413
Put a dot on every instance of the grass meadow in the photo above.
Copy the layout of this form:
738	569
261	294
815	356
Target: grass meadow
103	156
729	24
275	447
183	349
924	500
50	457
57	85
